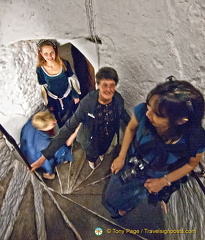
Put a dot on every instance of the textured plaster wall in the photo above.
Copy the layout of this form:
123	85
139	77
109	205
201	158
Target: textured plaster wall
20	93
24	19
144	40
150	40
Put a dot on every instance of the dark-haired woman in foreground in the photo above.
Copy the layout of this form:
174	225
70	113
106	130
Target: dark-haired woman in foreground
165	134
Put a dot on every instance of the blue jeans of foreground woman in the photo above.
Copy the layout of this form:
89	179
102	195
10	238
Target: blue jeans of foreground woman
124	196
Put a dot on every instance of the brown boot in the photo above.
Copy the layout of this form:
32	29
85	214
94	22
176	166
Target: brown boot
49	176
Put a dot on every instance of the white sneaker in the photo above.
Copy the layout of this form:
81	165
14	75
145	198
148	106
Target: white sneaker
101	157
91	164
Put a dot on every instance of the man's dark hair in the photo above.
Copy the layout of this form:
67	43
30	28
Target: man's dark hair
107	73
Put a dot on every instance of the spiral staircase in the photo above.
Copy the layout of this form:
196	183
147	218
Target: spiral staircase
69	207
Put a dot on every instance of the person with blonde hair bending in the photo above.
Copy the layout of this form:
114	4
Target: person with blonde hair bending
36	135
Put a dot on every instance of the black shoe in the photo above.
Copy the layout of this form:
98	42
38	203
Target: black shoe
117	215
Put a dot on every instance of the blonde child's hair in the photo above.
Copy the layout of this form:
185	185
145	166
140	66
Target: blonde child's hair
42	119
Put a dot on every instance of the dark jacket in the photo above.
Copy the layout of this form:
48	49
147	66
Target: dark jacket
86	114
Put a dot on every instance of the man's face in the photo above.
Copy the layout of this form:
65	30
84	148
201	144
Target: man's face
106	89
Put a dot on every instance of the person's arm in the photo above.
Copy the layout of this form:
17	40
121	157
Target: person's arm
125	116
156	184
73	82
40	76
76	100
130	132
38	163
123	113
73	136
75	92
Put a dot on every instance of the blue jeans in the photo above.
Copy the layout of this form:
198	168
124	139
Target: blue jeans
124	196
63	154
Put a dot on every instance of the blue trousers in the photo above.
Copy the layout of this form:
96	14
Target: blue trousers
124	196
63	154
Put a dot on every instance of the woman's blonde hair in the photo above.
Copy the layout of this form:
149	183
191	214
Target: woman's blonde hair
42	119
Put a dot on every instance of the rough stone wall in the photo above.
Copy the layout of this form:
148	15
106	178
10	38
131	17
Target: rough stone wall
20	93
10	199
186	212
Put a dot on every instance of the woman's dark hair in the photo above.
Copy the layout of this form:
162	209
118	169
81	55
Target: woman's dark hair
107	73
179	100
47	42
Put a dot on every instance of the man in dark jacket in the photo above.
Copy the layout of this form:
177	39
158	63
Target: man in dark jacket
99	112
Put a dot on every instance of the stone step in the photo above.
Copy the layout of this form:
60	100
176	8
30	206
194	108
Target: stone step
67	207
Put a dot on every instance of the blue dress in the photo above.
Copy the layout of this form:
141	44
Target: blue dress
60	92
161	158
33	141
